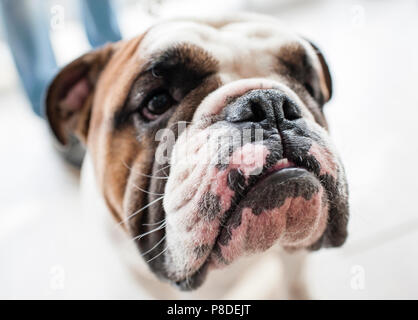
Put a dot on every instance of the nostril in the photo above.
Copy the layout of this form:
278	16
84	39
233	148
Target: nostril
290	110
269	106
258	113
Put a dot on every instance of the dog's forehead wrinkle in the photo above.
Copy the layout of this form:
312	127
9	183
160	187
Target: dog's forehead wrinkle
230	44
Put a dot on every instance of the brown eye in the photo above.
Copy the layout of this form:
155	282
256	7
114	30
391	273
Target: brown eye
157	105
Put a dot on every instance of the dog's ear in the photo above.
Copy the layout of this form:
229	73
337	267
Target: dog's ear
69	98
325	76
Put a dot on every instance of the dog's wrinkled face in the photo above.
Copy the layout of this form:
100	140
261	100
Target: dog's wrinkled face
209	141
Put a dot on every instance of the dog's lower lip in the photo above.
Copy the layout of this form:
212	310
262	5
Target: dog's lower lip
282	175
272	171
273	176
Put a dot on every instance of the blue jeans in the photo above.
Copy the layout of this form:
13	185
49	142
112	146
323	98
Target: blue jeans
26	24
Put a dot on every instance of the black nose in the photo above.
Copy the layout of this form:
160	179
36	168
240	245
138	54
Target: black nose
272	106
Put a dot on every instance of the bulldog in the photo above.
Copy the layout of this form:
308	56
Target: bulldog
208	142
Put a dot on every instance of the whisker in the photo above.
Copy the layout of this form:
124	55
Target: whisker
154	224
158	255
163	168
229	179
144	175
159	242
149	232
140	210
148	192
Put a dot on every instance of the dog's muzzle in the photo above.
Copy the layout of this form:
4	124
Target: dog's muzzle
242	196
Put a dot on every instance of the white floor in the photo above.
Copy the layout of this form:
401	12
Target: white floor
373	54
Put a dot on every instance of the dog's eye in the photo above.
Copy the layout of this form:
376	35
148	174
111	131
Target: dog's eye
157	105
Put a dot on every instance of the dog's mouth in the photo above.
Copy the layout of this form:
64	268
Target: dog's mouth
257	199
276	176
258	218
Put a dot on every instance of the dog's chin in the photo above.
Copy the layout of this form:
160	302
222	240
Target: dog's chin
195	280
287	206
